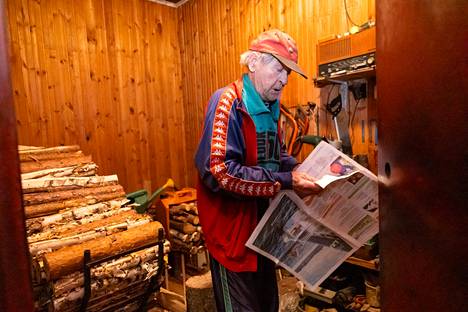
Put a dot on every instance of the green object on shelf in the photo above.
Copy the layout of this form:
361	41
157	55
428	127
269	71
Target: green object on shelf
140	197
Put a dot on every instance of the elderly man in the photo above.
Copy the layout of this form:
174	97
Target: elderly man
241	164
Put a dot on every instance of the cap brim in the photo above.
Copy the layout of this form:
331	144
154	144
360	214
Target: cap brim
291	65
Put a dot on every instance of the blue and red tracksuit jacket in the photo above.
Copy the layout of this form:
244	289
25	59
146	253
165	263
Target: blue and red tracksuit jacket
231	185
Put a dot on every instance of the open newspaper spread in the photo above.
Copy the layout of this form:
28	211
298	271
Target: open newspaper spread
312	236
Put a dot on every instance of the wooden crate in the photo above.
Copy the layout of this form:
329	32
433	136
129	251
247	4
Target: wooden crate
161	209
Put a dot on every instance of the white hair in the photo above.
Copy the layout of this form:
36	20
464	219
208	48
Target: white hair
250	55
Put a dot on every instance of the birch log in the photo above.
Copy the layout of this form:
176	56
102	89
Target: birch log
69	259
53	163
101	194
66	183
42	198
56	243
26	148
103	227
81	170
33	150
73	217
24	158
115	268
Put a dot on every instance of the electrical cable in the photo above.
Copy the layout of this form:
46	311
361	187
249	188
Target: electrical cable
347	14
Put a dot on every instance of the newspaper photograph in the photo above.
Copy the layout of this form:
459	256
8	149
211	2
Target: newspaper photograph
312	236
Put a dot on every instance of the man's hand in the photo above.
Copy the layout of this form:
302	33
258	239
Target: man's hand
304	185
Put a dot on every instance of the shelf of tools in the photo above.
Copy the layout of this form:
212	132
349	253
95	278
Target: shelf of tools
348	121
350	101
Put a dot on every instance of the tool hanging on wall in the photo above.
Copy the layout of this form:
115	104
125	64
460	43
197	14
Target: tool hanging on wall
298	126
341	122
289	125
302	117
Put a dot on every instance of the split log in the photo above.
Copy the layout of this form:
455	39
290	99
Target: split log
199	294
80	234
183	237
195	237
82	170
186	217
69	259
184	208
186	228
178	245
75	216
111	192
34	150
53	163
66	183
42	198
180	209
190	207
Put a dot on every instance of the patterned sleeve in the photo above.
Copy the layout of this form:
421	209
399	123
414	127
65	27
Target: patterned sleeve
221	153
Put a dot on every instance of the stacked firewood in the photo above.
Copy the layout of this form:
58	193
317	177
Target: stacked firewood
70	209
186	234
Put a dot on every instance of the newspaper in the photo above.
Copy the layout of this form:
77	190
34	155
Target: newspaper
312	236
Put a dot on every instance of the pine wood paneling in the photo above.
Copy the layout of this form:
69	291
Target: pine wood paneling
128	80
214	33
104	74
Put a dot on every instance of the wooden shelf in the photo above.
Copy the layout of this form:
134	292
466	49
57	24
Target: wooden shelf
355	74
368	264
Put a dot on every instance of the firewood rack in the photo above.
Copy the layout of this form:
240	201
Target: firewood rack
153	285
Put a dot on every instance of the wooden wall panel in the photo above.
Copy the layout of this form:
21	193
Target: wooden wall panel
129	80
104	74
213	34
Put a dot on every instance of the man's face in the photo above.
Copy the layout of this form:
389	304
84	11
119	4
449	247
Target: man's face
269	79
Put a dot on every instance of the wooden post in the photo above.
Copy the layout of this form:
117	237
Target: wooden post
15	280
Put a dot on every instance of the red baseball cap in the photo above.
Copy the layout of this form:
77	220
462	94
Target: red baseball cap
281	46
